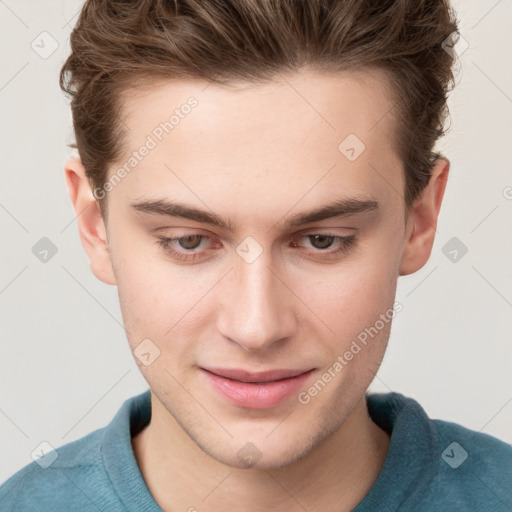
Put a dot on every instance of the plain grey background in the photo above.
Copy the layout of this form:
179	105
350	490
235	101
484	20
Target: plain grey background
65	364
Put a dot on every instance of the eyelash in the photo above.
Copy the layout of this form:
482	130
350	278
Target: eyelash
166	243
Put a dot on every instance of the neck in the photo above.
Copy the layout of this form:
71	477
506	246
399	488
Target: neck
335	475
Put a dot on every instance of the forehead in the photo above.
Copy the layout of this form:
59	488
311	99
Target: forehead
333	102
290	131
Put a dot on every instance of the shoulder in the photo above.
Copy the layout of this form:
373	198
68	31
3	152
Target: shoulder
481	448
95	472
474	468
73	473
433	464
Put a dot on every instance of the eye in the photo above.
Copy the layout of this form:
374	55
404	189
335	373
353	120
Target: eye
188	248
189	242
322	241
184	244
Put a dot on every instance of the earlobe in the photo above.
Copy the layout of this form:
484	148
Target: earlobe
422	221
91	225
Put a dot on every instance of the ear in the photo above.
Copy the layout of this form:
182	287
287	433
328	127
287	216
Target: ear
91	226
422	220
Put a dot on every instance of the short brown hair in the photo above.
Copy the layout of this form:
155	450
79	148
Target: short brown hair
118	45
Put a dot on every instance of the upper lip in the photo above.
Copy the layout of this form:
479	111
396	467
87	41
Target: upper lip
246	376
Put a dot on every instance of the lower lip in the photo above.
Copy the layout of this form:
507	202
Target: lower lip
253	395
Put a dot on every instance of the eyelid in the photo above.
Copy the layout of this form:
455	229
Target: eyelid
325	231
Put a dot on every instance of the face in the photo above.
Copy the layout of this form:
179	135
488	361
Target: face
210	307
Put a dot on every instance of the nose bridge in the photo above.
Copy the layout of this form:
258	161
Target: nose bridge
257	310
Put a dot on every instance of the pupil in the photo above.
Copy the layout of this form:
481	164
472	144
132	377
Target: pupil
325	240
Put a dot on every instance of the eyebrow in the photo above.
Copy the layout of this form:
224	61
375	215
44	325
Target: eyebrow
339	208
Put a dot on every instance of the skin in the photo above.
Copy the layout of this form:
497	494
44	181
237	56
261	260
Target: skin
259	155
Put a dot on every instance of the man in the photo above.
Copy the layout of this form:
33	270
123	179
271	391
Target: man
254	177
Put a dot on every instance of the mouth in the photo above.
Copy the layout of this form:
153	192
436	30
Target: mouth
262	390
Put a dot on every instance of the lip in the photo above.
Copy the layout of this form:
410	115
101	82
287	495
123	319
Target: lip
250	390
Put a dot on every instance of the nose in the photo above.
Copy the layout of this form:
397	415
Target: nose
256	306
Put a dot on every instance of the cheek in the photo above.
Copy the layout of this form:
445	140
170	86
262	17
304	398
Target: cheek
160	300
360	284
146	297
351	297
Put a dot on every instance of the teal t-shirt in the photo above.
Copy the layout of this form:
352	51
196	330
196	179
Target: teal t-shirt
431	465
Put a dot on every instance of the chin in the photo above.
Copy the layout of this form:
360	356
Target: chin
282	451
